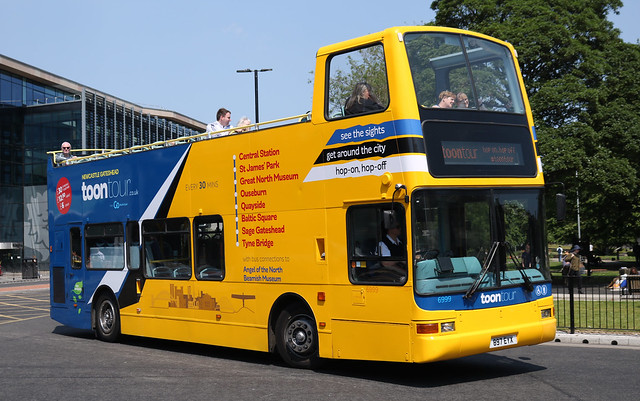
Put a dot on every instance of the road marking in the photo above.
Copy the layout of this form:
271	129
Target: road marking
25	287
19	307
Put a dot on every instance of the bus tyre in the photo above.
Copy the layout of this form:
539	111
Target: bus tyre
107	319
297	338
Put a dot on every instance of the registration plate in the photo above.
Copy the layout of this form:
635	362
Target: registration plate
503	341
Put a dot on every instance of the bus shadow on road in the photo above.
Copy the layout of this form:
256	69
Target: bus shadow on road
73	332
435	374
212	351
231	354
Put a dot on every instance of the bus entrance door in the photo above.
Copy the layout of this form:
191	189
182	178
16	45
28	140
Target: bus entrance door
74	280
67	272
60	267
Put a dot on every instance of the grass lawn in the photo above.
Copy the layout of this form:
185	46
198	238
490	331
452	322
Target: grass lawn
603	310
603	314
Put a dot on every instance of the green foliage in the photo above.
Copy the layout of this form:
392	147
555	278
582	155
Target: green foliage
584	91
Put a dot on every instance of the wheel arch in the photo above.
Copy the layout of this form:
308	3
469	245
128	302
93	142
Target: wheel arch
284	301
101	291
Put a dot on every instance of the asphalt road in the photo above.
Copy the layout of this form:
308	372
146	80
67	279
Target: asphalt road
44	360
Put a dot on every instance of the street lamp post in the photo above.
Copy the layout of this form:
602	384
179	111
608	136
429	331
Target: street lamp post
255	83
578	206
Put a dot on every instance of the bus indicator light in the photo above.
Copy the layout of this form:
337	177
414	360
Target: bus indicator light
427	328
321	296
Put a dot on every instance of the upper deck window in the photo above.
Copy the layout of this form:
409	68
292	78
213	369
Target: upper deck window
357	83
463	67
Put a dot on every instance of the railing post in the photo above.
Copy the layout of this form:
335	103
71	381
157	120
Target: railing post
572	323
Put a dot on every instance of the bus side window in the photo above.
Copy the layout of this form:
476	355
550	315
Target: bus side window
209	247
349	74
76	247
376	244
133	245
104	246
166	248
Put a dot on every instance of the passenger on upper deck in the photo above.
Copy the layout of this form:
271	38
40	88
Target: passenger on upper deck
65	154
243	125
223	117
446	100
362	100
462	101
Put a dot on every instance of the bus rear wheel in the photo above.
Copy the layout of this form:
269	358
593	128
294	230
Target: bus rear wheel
297	338
107	319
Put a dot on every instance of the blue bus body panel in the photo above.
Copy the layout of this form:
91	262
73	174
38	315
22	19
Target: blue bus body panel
113	189
484	299
107	190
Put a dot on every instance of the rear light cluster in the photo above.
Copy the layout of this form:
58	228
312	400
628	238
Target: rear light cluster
435	328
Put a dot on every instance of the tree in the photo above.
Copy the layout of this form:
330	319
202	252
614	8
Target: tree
584	92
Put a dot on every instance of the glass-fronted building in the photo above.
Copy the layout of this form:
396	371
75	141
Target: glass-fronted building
39	111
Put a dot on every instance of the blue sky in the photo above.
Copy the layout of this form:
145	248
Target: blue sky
183	56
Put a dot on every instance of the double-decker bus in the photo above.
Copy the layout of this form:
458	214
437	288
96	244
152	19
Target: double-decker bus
406	228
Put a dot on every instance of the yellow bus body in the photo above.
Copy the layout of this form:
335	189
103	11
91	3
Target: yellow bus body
259	176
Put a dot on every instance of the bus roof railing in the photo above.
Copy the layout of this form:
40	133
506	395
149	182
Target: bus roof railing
97	154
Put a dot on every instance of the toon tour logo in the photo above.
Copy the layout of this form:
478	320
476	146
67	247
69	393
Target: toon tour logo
109	189
504	296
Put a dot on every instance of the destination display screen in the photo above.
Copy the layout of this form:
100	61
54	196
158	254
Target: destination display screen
481	153
479	149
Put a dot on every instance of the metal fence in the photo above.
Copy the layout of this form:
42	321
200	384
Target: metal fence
594	307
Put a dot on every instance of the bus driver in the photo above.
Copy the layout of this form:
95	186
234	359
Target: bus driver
392	247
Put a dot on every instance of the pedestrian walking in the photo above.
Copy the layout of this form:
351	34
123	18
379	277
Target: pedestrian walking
574	265
559	250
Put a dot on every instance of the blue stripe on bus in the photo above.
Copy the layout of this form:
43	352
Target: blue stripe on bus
483	299
360	133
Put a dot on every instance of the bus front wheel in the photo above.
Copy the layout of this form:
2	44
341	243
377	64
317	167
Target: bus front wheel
297	338
107	319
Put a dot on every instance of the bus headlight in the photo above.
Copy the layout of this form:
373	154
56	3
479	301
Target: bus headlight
447	327
545	313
